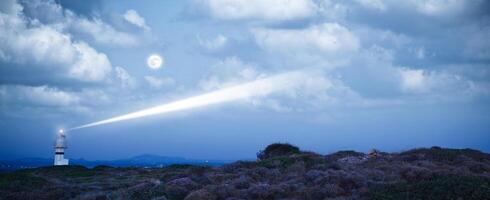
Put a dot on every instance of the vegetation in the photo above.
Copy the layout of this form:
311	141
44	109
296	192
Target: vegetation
19	180
277	149
440	154
281	172
439	187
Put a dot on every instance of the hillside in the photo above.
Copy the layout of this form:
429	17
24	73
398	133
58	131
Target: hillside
281	171
145	160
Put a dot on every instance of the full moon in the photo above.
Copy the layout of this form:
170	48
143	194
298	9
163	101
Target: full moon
154	61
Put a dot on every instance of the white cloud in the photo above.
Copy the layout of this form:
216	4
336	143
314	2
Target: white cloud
124	78
440	84
50	13
373	4
37	95
301	90
48	47
226	72
10	7
310	91
333	10
420	53
44	100
258	9
438	7
413	80
134	18
214	44
329	38
326	45
102	32
90	64
157	83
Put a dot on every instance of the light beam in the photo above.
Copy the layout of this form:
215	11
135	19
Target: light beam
259	87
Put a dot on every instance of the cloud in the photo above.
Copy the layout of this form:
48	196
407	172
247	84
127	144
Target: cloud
476	45
103	33
134	18
373	4
333	10
450	86
330	38
157	83
37	95
323	45
45	101
412	80
127	82
274	10
25	43
10	7
50	13
90	65
385	59
438	7
215	44
84	7
227	72
304	89
44	65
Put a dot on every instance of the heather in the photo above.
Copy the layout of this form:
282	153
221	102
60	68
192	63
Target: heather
281	171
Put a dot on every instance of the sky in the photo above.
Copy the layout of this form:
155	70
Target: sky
383	74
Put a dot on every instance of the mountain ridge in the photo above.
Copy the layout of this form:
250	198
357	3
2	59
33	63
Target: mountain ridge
143	160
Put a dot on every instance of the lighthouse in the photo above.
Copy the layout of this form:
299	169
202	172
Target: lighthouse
59	149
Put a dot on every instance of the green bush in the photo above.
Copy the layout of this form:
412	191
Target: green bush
277	149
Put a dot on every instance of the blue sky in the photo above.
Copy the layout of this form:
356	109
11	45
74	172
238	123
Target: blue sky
378	74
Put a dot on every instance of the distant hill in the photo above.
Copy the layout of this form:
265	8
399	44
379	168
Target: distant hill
145	160
282	171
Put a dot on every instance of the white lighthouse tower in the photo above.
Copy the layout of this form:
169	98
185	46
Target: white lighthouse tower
59	149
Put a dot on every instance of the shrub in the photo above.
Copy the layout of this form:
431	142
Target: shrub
277	149
146	191
19	181
277	162
342	154
443	154
440	187
180	188
239	165
72	171
103	167
200	194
